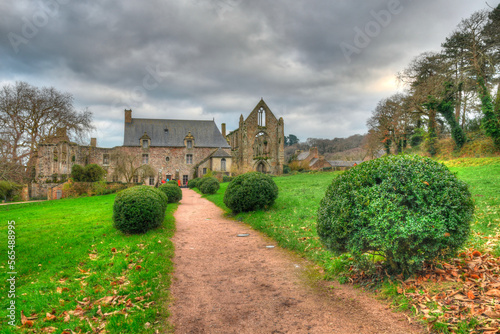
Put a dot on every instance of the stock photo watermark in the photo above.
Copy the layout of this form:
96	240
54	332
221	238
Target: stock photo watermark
371	30
150	81
11	272
30	26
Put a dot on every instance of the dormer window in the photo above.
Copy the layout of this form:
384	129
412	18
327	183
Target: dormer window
145	141
189	140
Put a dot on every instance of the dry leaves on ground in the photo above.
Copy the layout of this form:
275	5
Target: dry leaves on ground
464	288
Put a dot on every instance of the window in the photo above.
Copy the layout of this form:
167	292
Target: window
151	180
262	117
223	165
189	144
168	177
204	171
145	159
185	179
135	179
167	159
189	159
145	143
115	178
105	159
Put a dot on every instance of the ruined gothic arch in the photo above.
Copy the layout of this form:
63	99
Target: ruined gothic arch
261	145
262	166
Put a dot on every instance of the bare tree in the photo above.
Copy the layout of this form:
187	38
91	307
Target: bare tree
129	165
29	115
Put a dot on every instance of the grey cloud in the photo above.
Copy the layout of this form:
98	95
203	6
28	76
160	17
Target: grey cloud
204	59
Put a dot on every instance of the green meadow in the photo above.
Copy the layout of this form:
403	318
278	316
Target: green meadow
292	219
76	272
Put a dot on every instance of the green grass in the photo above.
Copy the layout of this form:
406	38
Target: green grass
483	177
292	221
68	250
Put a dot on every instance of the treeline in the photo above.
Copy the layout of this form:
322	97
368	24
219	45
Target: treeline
325	146
454	92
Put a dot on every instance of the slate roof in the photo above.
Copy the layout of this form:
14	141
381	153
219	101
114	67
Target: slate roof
205	133
221	154
303	156
337	163
313	161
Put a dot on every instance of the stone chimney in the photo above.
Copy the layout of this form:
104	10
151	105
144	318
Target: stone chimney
223	129
314	152
128	115
93	142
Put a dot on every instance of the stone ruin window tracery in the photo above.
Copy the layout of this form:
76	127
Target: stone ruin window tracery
262	117
260	146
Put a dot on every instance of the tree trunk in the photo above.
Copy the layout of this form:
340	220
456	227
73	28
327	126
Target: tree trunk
432	133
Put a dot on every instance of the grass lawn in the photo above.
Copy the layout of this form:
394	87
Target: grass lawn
292	221
76	272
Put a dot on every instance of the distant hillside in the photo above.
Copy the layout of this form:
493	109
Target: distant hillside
328	147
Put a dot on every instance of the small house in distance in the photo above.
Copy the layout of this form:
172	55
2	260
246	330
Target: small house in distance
311	159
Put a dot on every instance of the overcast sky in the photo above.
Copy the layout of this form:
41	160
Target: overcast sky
321	65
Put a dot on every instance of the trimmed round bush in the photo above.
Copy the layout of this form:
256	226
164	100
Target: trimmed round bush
174	182
173	192
139	209
408	209
209	185
226	178
193	183
250	191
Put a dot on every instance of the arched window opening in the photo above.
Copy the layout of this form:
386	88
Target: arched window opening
261	167
262	117
223	164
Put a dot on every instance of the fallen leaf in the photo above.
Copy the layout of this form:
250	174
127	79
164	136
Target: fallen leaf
476	253
50	317
105	300
493	314
493	293
138	267
25	322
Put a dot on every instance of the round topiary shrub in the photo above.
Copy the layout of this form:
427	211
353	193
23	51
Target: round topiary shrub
193	183
139	209
174	182
250	191
226	178
406	208
173	192
209	185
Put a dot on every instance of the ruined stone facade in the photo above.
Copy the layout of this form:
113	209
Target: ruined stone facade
259	142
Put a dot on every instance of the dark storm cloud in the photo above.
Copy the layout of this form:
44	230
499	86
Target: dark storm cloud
204	59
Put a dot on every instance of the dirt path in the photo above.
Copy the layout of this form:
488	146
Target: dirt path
224	283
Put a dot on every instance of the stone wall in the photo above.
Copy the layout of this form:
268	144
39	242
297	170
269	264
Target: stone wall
258	143
57	159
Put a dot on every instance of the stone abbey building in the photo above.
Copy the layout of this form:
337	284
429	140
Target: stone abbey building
174	149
